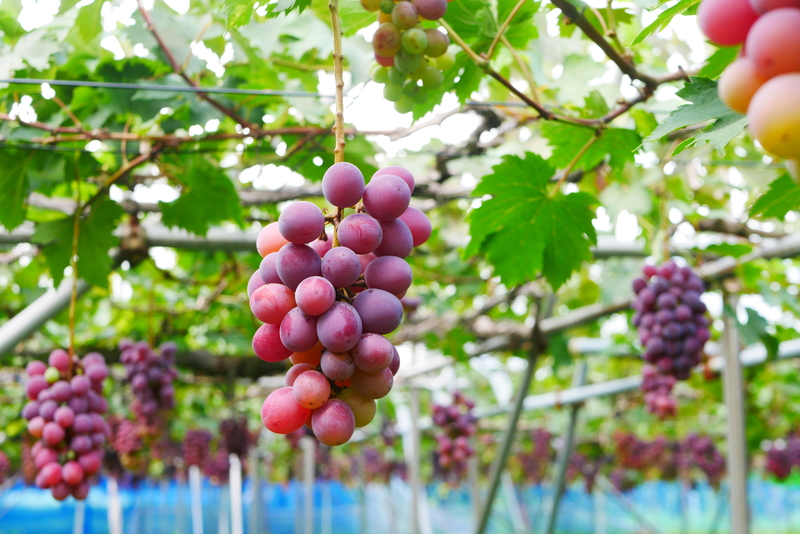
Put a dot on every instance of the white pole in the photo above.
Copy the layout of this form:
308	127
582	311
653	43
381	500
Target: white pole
414	460
196	498
308	480
114	507
235	481
327	508
223	521
79	517
514	509
599	512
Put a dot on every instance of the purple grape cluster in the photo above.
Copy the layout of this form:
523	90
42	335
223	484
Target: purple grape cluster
218	466
457	424
65	412
327	308
673	329
534	463
126	441
150	376
235	436
196	448
701	452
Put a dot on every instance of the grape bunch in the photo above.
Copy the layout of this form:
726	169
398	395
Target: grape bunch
411	59
150	376
126	441
327	301
5	467
701	452
782	456
534	463
65	412
218	466
457	424
234	435
673	329
196	448
764	82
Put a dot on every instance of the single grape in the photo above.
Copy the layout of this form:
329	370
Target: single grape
386	197
364	410
270	303
311	389
315	295
389	273
386	6
298	331
343	183
373	353
420	96
36	384
774	116
431	9
340	328
337	366
295	263
410	87
59	358
360	232
301	222
415	40
432	78
384	61
52	375
321	246
387	40
281	414
437	43
380	311
773	44
726	22
333	424
371	5
370	386
72	473
268	269
762	6
296	370
269	239
407	62
267	344
404	15
254	283
341	266
397	77
396	170
397	239
446	61
395	365
392	92
419	224
311	356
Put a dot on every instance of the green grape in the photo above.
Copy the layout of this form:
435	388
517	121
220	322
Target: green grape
386	6
417	74
420	96
406	62
404	105
404	15
446	61
380	75
415	40
410	88
397	77
392	92
386	41
371	5
437	42
432	78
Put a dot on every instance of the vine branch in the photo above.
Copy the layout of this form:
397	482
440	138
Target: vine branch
73	262
338	59
503	27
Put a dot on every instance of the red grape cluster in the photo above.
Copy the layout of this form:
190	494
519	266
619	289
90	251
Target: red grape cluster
411	59
327	302
534	463
218	466
64	412
673	329
764	82
126	440
196	445
457	424
150	376
701	453
782	456
234	435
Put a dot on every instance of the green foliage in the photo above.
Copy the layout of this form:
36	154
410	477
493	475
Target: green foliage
13	187
783	195
718	61
664	18
524	230
614	145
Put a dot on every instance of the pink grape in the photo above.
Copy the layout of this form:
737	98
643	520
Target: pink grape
270	303
389	273
72	473
419	224
726	22
268	269
322	247
431	9
59	359
281	414
385	43
384	61
365	260
373	353
81	491
52	433
267	344
36	384
364	410
386	197
341	266
774	115
437	46
397	239
30	410
296	370
343	183
96	372
334	423
295	263
47	409
311	389
35	368
81	444
360	232
90	462
380	311
51	474
269	239
60	391
339	328
337	366
404	15
298	331
254	283
773	44
82	424
79	385
315	295
36	426
44	456
372	386
396	170
301	222
61	491
762	6
64	417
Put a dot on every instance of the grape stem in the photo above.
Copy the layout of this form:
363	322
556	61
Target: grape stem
338	59
73	262
502	30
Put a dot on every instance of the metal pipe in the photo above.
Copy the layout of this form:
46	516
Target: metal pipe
565	454
733	384
309	453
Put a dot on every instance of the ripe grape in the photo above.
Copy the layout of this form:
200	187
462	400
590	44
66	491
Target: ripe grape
295	263
343	183
437	42
774	115
397	239
270	303
387	41
360	233
404	15
281	414
311	356
726	22
396	170
333	424
762	6
341	266
268	269
380	311
269	239
453	449
311	389
373	353
298	331
315	295
372	386
389	273
340	328
386	197
267	344
337	366
418	223
415	40
773	44
296	370
384	61
431	9
301	222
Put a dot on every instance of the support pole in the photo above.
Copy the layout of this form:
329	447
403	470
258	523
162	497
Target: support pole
196	498
79	519
565	454
734	401
414	463
473	466
237	522
114	507
254	517
508	437
308	484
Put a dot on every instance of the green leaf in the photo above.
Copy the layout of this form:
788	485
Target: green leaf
755	330
94	241
13	187
618	145
719	60
237	13
208	197
664	19
728	249
558	345
704	105
523	231
287	6
783	196
89	22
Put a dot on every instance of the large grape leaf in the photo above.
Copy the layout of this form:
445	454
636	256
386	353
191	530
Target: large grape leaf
94	241
704	105
523	231
13	187
208	197
783	195
616	144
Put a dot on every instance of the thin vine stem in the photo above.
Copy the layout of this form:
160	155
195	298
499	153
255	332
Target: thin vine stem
523	68
73	262
338	60
502	30
575	160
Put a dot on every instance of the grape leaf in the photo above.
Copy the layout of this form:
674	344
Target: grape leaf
208	197
287	6
783	196
718	61
616	144
522	231
664	19
704	105
237	13
13	187
94	240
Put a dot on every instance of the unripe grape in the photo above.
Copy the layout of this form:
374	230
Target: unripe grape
775	116
364	410
415	40
446	61
371	5
410	87
387	41
386	6
432	78
380	75
384	17
397	77
392	92
404	15
420	96
437	42
407	62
